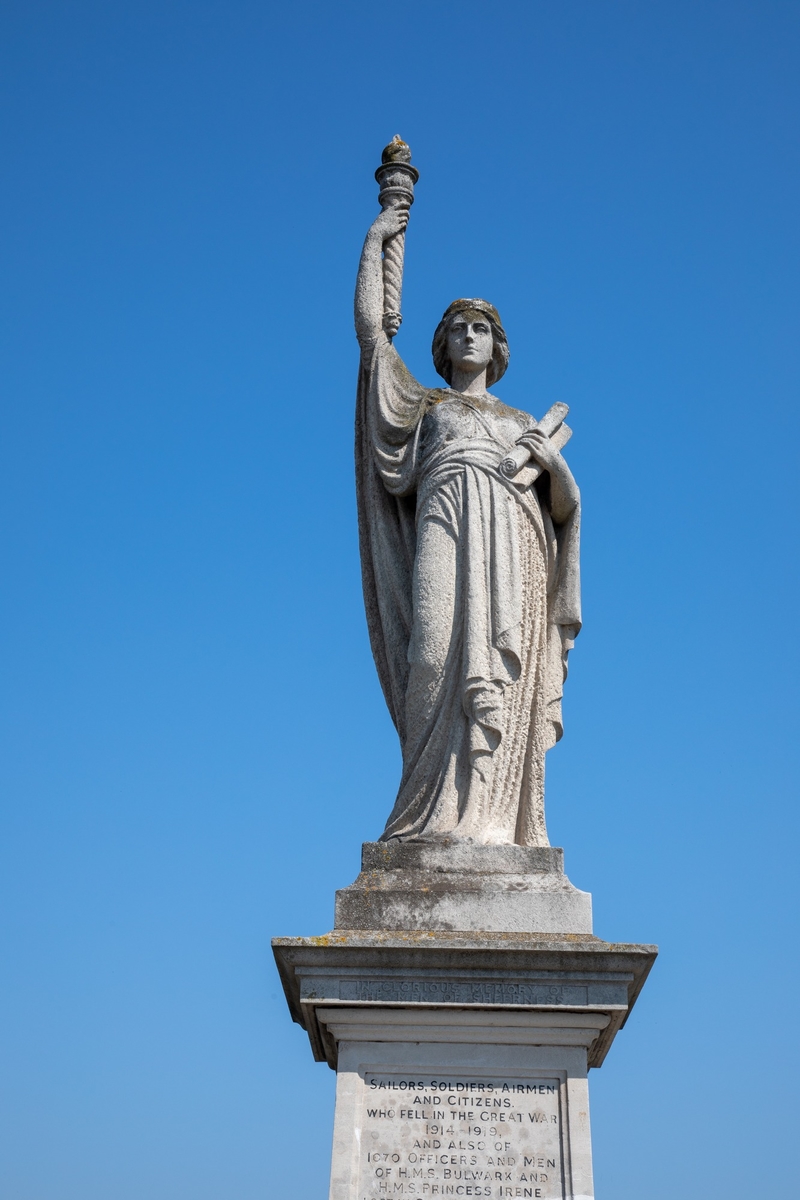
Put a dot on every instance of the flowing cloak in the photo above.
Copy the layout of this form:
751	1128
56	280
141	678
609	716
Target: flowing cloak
475	729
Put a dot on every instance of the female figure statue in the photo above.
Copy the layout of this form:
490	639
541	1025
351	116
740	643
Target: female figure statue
470	579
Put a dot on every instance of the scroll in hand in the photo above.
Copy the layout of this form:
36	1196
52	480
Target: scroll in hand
517	464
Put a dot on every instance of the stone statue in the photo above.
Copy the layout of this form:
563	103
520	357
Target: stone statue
469	526
462	960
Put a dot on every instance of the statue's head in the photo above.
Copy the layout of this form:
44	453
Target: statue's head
470	334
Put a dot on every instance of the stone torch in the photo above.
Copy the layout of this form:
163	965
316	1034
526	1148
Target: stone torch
396	177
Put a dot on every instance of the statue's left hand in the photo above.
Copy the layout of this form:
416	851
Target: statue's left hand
564	494
543	451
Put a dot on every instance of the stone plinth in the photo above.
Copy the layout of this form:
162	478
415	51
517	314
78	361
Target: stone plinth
448	885
462	1058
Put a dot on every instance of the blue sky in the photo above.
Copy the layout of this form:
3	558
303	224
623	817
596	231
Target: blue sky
194	743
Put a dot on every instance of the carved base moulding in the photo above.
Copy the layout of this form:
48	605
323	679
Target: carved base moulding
447	885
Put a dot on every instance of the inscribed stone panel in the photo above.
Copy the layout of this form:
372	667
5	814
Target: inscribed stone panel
431	1137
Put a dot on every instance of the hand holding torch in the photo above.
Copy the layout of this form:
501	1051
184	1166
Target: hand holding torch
396	177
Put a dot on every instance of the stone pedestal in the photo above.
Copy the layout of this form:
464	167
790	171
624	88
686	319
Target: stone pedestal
461	1056
456	885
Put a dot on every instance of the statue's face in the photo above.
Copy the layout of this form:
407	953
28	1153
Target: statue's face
469	341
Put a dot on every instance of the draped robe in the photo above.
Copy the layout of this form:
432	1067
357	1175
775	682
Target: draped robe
472	598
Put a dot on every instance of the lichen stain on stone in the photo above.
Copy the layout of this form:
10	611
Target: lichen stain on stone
396	151
454	939
435	396
325	939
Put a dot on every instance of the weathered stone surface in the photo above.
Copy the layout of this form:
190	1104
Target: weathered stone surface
456	885
451	855
460	973
461	1059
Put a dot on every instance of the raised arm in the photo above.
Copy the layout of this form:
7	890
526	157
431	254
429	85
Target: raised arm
369	283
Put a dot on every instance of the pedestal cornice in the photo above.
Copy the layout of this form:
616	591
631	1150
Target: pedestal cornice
508	979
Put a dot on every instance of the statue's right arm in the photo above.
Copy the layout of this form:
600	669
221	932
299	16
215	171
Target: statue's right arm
369	284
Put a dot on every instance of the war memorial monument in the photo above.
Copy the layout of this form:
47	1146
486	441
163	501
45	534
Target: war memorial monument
462	996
